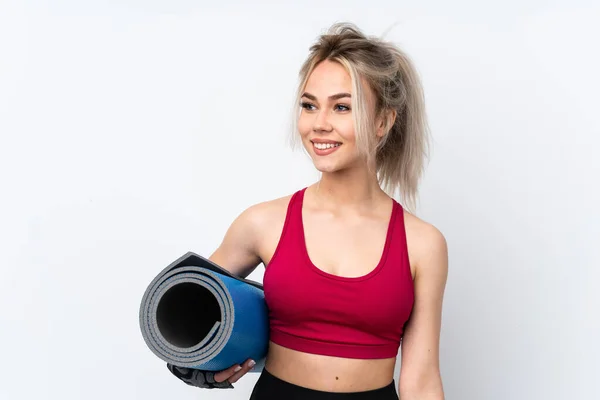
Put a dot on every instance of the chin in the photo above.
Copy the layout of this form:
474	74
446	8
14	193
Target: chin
325	170
327	166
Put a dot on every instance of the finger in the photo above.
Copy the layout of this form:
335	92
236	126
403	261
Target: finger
221	376
248	365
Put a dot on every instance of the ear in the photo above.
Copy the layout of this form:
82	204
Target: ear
385	122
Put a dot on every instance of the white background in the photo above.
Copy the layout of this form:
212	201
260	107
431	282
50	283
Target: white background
135	131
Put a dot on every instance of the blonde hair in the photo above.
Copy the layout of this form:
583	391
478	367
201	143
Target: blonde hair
400	156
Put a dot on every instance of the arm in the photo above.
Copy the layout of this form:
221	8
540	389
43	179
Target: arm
238	252
420	372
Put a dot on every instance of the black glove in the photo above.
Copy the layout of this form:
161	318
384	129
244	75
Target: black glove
198	378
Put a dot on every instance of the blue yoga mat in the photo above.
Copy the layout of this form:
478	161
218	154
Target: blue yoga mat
196	314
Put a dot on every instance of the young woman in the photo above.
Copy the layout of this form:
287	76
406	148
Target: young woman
350	273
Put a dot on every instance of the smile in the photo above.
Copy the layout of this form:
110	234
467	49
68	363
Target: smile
323	149
324	146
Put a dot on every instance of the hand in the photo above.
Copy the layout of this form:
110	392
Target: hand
234	373
209	379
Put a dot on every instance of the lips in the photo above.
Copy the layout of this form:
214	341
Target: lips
323	148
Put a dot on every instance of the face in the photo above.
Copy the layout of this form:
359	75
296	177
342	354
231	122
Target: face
325	123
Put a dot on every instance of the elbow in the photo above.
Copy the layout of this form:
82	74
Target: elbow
422	388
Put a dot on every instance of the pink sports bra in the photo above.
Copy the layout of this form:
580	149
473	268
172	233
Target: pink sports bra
313	311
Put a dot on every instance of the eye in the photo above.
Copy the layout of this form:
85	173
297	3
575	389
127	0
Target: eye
306	105
344	107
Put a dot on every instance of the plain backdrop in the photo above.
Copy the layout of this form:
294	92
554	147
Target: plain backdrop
134	131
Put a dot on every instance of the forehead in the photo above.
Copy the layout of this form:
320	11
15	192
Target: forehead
328	78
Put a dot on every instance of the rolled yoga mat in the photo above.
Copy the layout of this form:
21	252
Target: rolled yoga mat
196	314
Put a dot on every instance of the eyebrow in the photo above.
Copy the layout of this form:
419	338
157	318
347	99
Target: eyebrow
332	97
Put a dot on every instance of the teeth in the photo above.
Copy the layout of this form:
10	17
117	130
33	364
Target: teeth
324	146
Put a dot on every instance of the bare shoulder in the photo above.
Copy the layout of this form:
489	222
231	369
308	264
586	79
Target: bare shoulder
246	242
427	245
267	219
261	215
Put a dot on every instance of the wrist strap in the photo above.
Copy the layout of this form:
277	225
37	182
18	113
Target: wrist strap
198	378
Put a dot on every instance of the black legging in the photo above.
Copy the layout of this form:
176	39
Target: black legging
269	387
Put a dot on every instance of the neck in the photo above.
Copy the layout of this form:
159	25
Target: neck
349	188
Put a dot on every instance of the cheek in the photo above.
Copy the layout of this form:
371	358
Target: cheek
304	126
347	132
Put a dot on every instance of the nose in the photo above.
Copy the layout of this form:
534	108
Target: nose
321	123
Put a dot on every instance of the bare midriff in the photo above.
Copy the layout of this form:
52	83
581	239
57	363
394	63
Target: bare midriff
326	373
